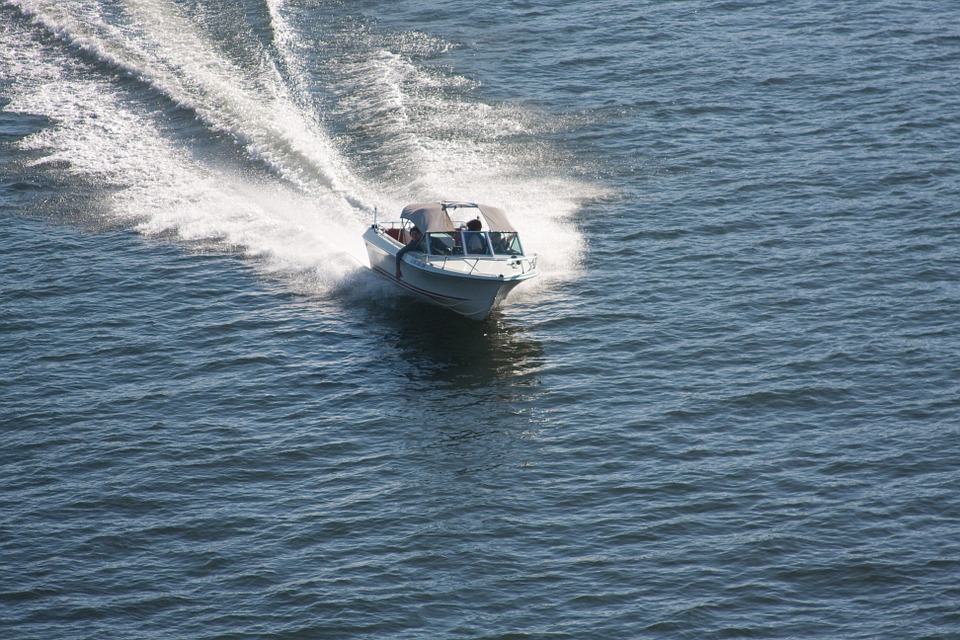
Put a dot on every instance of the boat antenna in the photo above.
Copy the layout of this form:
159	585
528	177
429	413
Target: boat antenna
374	216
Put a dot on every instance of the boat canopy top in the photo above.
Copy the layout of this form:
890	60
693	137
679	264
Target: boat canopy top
431	217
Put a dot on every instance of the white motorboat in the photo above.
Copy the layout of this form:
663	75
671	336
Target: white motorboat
453	265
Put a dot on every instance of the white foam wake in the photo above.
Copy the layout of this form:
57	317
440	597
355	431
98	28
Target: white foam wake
305	216
308	222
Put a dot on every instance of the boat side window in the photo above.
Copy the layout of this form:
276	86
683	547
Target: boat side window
444	244
506	243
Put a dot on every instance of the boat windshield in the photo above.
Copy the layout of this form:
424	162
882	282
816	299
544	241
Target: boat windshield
506	243
458	243
444	244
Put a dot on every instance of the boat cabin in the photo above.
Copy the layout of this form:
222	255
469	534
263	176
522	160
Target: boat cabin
449	236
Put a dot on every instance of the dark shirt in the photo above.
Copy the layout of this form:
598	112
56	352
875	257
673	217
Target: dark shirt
413	245
475	242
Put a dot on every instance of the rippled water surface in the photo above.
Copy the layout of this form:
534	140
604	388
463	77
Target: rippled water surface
727	408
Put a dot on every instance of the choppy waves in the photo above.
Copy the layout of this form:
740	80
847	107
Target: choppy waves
732	412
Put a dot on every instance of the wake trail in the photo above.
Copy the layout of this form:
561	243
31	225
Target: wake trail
414	132
174	58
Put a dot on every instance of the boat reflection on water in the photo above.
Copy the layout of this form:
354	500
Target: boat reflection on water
451	351
473	398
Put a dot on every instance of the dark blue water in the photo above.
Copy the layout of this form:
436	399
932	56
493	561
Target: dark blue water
728	408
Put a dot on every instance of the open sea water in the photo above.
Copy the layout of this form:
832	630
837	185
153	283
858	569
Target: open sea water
728	408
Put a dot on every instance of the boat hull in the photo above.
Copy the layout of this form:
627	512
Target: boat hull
443	283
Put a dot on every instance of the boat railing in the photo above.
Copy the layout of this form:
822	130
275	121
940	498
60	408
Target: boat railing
527	264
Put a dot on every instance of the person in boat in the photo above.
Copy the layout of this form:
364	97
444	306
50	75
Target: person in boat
415	239
473	239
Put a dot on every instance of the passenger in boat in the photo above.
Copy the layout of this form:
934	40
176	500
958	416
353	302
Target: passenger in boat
473	239
415	239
